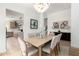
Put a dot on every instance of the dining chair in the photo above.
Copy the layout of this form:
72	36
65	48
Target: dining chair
51	33
25	50
58	44
52	48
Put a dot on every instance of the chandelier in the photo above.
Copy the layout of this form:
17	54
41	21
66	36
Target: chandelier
41	7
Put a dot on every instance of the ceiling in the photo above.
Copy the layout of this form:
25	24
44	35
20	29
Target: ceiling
10	12
54	7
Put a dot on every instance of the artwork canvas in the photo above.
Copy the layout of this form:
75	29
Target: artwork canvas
33	24
55	25
64	25
61	25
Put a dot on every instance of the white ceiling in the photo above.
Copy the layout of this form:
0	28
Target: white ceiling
10	12
54	7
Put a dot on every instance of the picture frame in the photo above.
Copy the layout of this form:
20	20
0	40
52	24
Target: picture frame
64	25
55	25
33	24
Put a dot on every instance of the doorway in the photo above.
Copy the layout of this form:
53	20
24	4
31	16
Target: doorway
45	25
14	24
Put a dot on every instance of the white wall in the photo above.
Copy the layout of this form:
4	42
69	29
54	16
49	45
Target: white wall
28	13
75	25
2	30
59	16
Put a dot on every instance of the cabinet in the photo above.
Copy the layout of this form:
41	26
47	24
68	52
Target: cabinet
9	34
13	24
65	36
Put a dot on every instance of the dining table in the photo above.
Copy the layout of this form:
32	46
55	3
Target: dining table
38	42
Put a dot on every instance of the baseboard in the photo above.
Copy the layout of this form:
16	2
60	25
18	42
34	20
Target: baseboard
74	51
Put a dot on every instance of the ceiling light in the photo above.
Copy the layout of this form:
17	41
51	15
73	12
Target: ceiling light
41	7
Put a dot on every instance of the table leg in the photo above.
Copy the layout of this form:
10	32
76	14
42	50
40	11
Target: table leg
40	51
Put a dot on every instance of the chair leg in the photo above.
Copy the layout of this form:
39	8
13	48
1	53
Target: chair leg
58	46
52	52
56	51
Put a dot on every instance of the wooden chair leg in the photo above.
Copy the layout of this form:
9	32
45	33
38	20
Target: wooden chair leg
58	46
56	51
52	52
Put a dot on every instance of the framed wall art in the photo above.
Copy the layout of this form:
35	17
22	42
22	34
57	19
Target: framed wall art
33	24
64	25
55	25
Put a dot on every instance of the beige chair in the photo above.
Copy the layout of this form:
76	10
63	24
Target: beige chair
58	44
52	48
29	51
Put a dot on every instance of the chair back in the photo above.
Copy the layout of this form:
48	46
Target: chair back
59	37
54	42
51	34
22	45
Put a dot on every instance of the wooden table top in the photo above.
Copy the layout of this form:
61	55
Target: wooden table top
37	42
